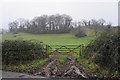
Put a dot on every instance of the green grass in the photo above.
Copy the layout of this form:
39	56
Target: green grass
51	39
62	59
24	67
89	66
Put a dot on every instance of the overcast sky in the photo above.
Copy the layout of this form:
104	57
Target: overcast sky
78	10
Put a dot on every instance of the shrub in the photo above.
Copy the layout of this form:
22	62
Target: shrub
20	51
15	32
107	49
79	32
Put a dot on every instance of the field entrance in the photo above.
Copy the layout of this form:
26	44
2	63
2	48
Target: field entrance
64	49
62	64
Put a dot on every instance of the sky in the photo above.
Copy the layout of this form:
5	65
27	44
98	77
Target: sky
11	10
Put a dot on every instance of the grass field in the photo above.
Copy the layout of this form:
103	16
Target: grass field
51	39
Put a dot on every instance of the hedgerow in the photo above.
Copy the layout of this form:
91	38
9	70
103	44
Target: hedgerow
106	51
20	51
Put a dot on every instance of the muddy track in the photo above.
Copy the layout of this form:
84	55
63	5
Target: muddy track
68	69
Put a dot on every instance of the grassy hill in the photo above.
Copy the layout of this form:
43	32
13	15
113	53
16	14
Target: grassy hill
51	39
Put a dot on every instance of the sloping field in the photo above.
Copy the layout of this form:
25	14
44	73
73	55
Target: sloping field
51	39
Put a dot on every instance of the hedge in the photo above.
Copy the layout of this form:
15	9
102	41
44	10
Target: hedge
20	51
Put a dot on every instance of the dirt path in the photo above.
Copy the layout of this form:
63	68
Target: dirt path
68	69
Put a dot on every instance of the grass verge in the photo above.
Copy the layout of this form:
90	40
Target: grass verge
24	67
94	68
89	66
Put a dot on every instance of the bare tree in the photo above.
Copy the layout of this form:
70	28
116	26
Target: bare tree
13	26
101	21
85	22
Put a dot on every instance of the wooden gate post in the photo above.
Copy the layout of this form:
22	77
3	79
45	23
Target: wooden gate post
47	50
80	50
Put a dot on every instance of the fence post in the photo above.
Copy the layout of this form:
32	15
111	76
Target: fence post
47	50
80	50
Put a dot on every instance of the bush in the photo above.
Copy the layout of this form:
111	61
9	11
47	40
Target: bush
20	51
15	32
79	32
107	49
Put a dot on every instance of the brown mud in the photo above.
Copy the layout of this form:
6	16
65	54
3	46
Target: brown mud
68	69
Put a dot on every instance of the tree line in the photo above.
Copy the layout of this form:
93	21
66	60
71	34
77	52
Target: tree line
53	24
43	24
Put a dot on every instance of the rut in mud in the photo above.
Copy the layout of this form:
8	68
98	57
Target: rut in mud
68	69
